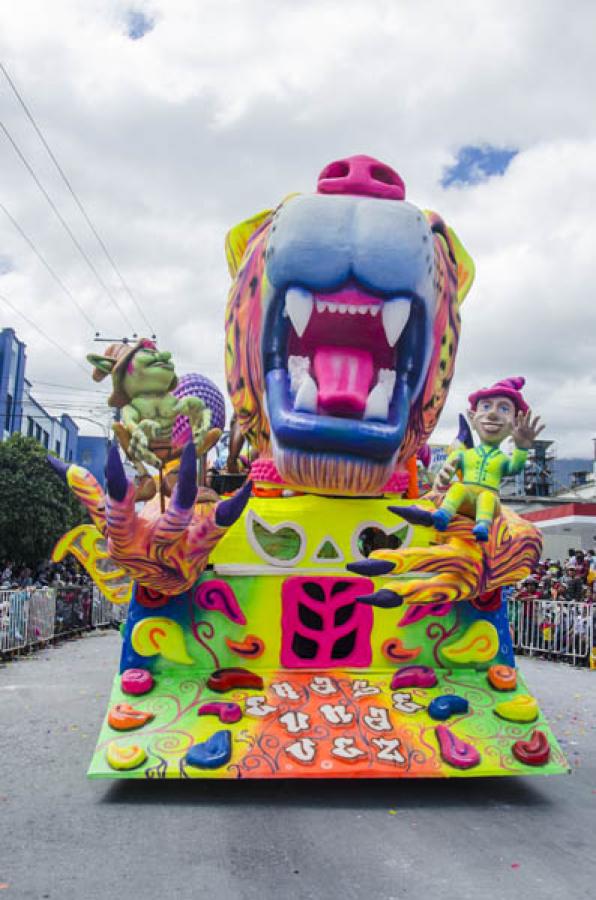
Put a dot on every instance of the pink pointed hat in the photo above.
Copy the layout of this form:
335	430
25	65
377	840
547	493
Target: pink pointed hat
508	387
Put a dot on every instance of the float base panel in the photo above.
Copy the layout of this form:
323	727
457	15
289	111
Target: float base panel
324	724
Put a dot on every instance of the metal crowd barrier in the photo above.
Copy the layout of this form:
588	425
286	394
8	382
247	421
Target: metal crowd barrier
33	616
555	628
14	616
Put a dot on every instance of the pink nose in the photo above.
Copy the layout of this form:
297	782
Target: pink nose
361	175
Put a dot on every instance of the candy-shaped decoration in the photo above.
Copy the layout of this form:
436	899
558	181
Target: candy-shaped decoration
522	708
124	717
394	650
454	751
130	757
217	595
227	713
502	678
414	676
418	611
479	644
447	705
213	753
136	681
160	634
250	648
223	680
535	752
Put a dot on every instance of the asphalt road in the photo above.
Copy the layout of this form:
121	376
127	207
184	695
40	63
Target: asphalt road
66	838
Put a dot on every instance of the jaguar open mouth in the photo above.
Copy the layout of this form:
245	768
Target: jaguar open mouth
342	368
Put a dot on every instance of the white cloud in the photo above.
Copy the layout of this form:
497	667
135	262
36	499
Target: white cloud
223	108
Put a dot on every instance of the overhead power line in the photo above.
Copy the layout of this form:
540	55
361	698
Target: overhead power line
68	388
43	334
75	197
65	224
56	277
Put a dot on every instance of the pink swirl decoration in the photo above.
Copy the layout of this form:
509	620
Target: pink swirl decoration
216	595
418	611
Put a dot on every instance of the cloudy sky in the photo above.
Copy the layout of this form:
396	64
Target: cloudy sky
173	120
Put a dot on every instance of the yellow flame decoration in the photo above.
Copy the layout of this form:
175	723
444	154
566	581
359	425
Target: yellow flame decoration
522	708
89	547
159	634
125	757
479	644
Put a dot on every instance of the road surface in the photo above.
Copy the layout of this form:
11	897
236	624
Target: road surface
66	838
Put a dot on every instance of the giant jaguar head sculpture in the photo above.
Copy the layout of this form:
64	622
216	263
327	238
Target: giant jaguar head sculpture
342	327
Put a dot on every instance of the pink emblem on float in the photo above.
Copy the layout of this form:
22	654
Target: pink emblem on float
323	624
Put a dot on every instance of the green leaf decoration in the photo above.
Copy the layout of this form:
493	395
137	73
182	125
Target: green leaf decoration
283	543
328	550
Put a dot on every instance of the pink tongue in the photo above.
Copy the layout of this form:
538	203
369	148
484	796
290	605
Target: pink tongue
344	376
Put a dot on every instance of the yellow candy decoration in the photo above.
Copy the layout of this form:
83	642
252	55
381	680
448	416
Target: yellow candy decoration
125	757
522	708
479	644
159	634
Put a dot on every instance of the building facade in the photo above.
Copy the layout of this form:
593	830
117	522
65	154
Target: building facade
21	413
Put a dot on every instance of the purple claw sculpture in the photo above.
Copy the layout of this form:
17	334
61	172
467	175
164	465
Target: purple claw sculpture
383	598
116	480
185	493
60	468
371	567
229	511
415	515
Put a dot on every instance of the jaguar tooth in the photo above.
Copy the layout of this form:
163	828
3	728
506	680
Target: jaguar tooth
363	309
332	307
387	379
298	367
307	396
395	316
374	310
343	307
321	306
299	307
377	405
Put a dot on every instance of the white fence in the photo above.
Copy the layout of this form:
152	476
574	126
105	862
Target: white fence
35	615
554	628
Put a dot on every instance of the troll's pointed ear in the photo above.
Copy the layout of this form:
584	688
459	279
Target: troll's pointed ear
238	237
103	363
465	266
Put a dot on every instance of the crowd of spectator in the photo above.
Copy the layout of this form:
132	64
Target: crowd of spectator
46	574
555	612
573	580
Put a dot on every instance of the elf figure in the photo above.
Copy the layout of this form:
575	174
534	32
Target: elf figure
495	413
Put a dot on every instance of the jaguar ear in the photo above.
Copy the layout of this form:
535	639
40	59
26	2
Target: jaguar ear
466	269
238	237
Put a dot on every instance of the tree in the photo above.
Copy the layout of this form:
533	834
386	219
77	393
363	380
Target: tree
36	507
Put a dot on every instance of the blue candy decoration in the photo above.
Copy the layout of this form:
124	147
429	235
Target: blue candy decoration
212	753
447	705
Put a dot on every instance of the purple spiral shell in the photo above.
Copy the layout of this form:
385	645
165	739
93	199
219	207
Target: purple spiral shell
195	385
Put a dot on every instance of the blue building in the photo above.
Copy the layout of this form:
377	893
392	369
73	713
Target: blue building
92	454
12	380
21	413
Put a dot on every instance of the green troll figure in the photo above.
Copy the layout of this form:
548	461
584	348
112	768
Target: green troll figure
142	380
495	413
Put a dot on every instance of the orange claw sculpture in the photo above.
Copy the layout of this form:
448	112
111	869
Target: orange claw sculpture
165	552
456	567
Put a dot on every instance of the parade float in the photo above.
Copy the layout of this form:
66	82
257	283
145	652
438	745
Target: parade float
323	620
